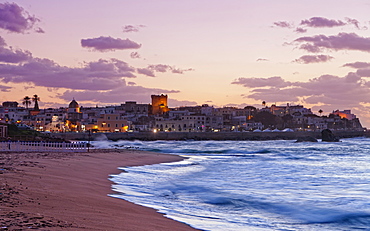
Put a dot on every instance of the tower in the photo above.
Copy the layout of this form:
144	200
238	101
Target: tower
159	104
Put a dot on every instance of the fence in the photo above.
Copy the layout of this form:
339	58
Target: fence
23	146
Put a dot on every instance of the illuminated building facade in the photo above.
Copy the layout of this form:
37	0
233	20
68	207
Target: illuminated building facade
159	104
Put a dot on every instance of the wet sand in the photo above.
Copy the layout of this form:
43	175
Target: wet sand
69	191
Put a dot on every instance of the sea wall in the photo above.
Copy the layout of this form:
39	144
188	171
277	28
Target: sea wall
203	135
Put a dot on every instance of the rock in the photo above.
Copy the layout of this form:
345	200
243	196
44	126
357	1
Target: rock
328	136
306	139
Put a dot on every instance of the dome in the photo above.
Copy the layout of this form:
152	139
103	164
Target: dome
73	104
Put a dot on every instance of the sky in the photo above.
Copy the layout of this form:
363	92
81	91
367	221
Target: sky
222	53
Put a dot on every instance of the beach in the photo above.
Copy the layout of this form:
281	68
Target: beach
69	191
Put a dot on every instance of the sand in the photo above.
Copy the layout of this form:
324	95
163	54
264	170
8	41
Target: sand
69	191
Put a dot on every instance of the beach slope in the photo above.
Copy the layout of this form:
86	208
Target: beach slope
69	191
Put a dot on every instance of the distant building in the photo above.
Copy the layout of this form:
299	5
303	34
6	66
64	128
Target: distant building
74	116
344	114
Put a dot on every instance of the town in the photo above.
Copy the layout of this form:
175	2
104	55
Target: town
158	117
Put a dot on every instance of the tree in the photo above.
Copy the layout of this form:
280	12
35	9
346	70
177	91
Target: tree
320	111
26	101
263	103
36	99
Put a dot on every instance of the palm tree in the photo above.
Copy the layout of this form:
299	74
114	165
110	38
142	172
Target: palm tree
320	111
36	99
26	101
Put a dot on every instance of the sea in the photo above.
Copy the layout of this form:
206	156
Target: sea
253	185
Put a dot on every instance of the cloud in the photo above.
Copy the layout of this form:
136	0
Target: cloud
283	24
321	22
5	88
354	22
276	81
109	44
342	41
340	92
300	30
146	71
131	28
10	55
14	18
179	103
151	69
357	65
135	55
307	59
98	75
363	72
117	95
262	60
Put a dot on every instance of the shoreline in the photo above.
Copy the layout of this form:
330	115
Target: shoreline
70	191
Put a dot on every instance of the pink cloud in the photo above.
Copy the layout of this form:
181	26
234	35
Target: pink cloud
131	28
342	41
321	22
109	44
14	18
307	59
357	65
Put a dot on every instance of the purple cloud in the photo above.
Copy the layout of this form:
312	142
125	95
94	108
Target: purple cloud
131	28
135	55
283	24
321	22
109	44
357	65
5	88
326	89
363	72
14	18
10	55
354	22
342	41
300	30
149	71
307	59
99	75
136	93
146	71
276	81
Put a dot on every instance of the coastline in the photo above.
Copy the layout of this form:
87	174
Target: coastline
69	191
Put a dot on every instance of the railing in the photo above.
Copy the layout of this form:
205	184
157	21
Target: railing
25	146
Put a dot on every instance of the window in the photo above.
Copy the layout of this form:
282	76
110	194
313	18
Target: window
108	125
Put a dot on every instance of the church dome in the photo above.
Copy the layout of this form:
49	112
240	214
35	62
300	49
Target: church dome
73	104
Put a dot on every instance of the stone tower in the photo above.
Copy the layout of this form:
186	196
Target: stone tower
159	104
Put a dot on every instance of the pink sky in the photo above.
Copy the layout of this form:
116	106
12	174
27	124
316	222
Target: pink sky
224	53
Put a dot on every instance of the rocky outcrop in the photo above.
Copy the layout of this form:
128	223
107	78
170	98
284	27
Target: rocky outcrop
328	136
306	139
